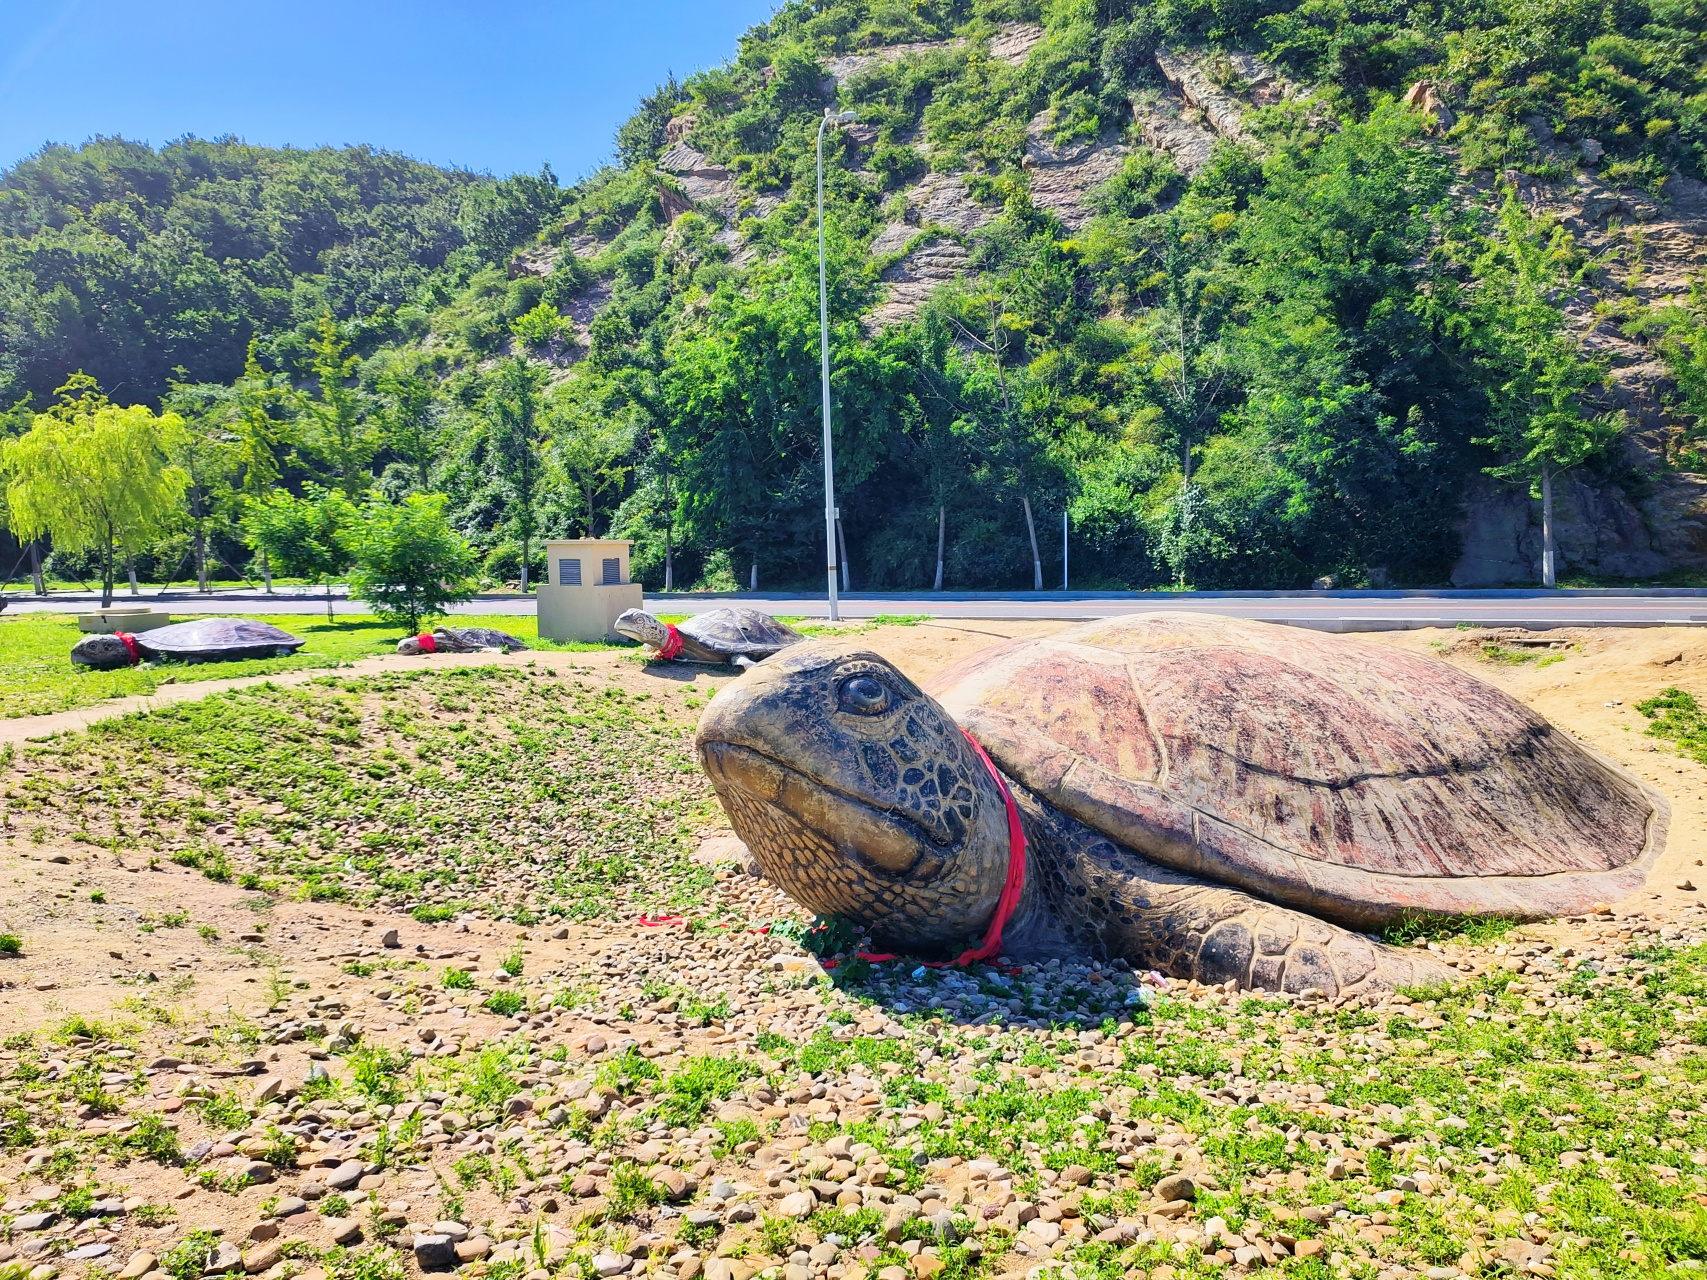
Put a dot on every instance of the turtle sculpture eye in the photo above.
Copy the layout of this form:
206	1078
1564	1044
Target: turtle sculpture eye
865	696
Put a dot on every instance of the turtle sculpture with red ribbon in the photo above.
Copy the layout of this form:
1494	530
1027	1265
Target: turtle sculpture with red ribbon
737	637
199	640
1212	798
461	640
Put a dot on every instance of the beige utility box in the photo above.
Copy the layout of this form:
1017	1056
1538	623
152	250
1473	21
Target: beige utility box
127	618
586	587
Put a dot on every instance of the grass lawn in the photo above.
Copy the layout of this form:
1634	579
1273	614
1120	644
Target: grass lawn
37	676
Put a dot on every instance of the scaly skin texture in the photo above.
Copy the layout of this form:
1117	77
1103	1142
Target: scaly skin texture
860	797
1105	900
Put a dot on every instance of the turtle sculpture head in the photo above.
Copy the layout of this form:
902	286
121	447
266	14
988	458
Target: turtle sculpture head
639	625
858	794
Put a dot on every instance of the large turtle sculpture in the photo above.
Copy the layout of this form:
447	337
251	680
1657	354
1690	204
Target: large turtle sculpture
201	640
460	640
739	637
1216	799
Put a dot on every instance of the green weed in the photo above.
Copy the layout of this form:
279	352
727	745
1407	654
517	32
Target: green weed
1677	718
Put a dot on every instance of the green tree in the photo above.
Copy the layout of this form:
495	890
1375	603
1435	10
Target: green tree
94	476
517	437
341	439
208	453
1193	364
1532	369
592	439
641	137
410	422
259	434
409	562
307	537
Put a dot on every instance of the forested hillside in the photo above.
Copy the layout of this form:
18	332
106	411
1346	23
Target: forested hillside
1252	293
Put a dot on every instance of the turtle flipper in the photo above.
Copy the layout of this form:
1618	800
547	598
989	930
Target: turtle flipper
741	661
1115	902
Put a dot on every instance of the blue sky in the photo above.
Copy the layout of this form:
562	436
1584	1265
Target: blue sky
494	87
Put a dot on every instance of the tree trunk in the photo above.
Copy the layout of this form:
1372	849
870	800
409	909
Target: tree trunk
669	561
328	599
941	536
524	565
35	568
266	571
1549	576
842	547
130	572
1036	560
753	581
201	560
107	574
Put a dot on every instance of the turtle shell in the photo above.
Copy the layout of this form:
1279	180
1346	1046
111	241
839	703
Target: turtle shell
740	631
216	640
1343	777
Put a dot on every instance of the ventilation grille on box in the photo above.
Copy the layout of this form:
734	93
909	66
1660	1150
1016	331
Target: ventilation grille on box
613	573
568	573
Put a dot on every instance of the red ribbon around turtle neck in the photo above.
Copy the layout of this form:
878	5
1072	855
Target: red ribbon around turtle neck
672	646
427	643
1012	887
130	646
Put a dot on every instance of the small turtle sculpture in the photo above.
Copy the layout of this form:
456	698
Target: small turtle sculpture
201	640
460	640
738	637
1216	799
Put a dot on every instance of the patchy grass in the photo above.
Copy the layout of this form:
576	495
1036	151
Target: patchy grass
514	789
1426	926
37	676
1677	718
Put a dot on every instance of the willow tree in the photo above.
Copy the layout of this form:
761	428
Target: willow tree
100	479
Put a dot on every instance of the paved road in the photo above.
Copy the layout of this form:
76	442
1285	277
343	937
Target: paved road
1320	610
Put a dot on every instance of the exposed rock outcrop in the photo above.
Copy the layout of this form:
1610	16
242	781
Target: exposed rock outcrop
1164	123
1187	77
1424	98
1600	529
941	200
848	65
1062	176
1014	42
914	278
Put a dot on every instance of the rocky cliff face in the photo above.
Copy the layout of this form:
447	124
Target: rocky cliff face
1650	521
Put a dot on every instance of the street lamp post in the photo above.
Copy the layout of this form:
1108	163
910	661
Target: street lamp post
830	513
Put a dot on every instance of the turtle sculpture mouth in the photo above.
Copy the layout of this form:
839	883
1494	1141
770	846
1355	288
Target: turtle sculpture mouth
883	838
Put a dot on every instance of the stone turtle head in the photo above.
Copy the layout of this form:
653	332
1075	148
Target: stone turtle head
858	794
101	652
639	625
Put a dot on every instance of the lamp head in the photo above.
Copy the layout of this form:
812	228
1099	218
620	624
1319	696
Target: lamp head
839	115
